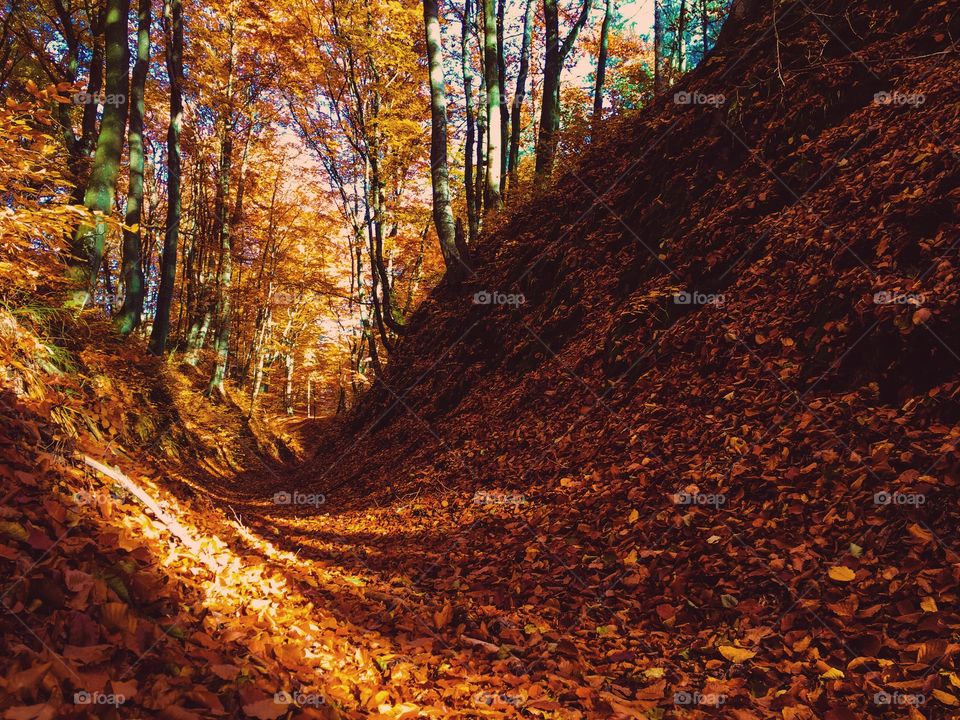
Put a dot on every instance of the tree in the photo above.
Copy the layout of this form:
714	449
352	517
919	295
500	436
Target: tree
602	60
101	189
555	54
131	270
173	26
501	89
492	198
439	168
225	278
466	66
658	80
518	96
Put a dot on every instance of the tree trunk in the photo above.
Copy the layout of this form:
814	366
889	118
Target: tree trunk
492	198
129	316
703	28
173	21
518	96
101	189
480	166
555	54
224	309
439	168
225	281
602	61
467	70
678	43
657	47
288	388
504	107
88	121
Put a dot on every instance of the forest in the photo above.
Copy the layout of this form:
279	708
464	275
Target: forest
479	358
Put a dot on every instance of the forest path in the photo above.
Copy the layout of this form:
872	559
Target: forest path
457	601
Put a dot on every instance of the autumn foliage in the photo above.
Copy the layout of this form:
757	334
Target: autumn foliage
681	441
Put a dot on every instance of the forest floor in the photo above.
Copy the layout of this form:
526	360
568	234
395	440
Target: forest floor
710	467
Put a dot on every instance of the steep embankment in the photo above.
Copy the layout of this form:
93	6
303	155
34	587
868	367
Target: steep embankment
751	495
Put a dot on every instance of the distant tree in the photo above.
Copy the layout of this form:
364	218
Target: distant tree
173	26
555	55
100	194
602	59
128	317
491	68
439	167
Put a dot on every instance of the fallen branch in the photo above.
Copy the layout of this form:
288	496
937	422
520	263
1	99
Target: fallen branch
170	522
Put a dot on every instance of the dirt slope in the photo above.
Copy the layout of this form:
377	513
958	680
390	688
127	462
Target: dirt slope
715	449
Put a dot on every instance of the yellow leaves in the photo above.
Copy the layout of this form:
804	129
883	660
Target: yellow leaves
634	516
928	604
737	444
116	617
14	530
631	558
945	697
736	654
832	673
841	573
654	673
921	316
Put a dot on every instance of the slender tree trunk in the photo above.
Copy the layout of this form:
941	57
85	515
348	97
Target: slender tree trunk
439	168
225	284
518	96
703	28
602	61
288	388
549	112
657	47
173	21
504	105
129	316
554	56
225	280
88	121
467	70
101	189
492	198
480	167
679	47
